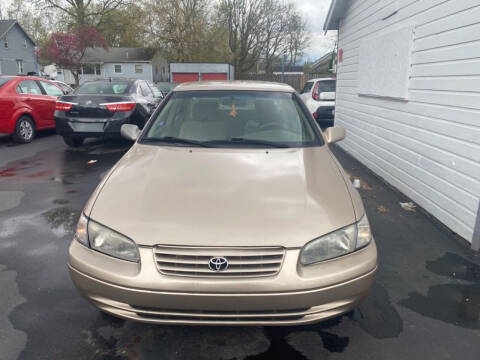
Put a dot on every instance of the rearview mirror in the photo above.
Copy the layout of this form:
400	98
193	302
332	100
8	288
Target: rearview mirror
327	95
130	132
335	134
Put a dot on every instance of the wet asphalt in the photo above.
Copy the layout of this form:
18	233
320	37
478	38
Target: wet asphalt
425	303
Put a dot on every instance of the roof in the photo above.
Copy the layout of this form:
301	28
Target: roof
96	55
325	59
335	13
7	25
234	85
278	68
321	79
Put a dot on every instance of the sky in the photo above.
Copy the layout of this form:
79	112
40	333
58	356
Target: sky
315	11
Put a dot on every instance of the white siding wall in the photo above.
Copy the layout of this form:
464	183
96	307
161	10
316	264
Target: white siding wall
429	145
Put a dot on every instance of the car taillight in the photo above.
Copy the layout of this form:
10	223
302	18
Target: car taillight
63	106
122	106
315	91
315	115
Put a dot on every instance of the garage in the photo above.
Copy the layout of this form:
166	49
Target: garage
185	72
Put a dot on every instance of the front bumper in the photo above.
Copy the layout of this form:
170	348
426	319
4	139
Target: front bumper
296	295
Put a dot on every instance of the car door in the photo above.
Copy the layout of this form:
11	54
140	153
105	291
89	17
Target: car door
51	94
31	95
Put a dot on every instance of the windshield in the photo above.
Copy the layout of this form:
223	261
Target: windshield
103	87
233	119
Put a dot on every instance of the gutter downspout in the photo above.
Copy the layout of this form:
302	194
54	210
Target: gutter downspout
476	232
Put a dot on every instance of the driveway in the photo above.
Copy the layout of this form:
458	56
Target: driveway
425	303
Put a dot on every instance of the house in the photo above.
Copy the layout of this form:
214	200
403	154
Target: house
17	50
408	93
325	64
183	72
138	63
288	69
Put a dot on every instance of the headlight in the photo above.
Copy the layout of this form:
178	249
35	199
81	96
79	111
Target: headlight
337	243
101	238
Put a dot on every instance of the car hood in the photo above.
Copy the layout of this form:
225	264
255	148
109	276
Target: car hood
224	197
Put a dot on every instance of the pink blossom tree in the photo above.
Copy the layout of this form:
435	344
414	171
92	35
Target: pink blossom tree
67	49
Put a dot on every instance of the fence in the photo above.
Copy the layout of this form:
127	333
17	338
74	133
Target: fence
297	81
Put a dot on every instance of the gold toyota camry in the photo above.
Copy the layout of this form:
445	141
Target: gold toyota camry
229	209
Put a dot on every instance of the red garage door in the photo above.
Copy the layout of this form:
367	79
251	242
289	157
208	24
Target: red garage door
184	77
214	76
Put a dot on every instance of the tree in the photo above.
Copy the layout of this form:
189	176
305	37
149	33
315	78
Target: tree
183	30
84	12
244	21
67	49
296	37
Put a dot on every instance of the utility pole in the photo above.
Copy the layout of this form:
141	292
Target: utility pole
283	67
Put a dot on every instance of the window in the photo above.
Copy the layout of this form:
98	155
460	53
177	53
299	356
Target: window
20	66
29	87
51	89
138	69
5	42
88	69
145	89
117	69
97	69
103	87
25	43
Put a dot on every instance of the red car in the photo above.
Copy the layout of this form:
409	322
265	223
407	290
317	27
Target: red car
27	104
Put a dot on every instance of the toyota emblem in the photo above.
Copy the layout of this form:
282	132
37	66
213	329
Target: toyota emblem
218	264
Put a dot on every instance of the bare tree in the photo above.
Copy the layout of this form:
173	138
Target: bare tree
244	21
296	37
84	12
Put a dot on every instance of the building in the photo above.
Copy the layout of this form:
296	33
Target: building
408	93
325	64
138	63
183	72
17	50
288	69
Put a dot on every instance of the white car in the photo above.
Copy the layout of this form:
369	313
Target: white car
319	96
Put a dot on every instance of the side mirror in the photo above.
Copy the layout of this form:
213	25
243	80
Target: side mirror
130	132
327	95
334	134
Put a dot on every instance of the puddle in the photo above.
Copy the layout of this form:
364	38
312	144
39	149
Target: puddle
454	303
10	199
377	315
62	218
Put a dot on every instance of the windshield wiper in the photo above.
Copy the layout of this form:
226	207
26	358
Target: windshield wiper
176	140
243	141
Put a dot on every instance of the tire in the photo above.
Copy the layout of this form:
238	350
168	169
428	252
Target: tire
73	141
24	130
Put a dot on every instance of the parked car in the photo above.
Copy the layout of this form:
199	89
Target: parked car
319	96
166	87
99	108
226	215
27	104
156	91
324	115
66	88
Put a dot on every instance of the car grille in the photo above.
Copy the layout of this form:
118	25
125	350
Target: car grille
219	316
242	261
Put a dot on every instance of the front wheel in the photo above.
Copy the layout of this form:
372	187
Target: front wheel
73	141
24	130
